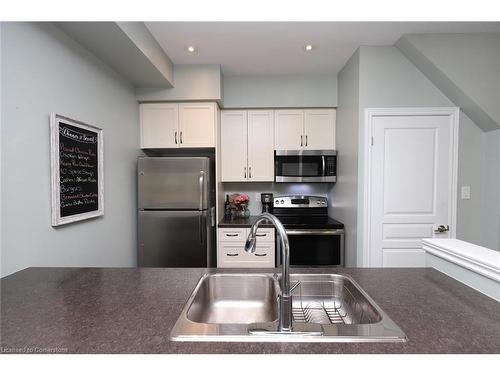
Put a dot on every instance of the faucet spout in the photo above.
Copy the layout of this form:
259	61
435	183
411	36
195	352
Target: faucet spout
285	319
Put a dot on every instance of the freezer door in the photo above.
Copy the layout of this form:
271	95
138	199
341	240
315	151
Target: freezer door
173	239
173	183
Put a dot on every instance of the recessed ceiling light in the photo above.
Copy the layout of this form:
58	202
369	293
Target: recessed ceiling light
191	49
308	47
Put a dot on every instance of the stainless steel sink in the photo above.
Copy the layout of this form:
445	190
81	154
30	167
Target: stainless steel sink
234	299
244	307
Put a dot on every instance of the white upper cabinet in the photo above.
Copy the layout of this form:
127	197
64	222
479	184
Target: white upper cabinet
159	125
311	129
234	145
173	125
319	129
197	124
260	146
289	129
247	145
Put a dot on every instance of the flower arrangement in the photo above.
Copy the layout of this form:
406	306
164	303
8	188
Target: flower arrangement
239	202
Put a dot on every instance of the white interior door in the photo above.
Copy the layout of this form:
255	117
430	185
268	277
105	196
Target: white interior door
234	145
260	146
412	186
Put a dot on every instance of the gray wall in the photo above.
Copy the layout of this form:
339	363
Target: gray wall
344	195
280	91
191	82
43	71
491	216
465	67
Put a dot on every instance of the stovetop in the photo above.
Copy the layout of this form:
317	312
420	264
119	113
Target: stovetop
310	222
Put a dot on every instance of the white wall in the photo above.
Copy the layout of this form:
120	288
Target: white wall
43	71
344	195
280	91
191	82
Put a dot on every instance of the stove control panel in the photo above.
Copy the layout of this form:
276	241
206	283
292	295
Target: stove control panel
300	201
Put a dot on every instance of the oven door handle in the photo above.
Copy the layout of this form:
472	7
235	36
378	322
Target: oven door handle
314	232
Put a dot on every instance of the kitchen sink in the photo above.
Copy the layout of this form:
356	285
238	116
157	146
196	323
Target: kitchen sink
234	299
245	307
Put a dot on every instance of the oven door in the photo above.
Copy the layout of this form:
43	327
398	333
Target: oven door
302	166
316	247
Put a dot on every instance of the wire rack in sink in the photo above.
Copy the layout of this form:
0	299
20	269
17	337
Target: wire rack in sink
318	302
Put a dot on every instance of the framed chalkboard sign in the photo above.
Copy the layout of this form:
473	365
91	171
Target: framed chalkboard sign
76	155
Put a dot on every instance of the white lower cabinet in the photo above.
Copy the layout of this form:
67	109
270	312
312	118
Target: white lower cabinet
231	248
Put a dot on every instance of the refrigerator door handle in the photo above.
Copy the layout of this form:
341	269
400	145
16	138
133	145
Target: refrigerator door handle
201	227
202	183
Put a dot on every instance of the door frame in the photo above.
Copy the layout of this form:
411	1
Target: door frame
370	114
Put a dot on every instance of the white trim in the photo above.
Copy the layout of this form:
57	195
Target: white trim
476	258
370	113
54	171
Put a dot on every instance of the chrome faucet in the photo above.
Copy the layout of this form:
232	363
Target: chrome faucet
285	319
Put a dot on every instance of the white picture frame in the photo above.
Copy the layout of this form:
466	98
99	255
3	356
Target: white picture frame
61	216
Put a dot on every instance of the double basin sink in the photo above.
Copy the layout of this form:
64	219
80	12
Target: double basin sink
245	307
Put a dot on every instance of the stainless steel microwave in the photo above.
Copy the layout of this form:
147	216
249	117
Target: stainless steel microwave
305	166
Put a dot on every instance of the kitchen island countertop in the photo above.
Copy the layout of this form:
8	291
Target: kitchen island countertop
132	310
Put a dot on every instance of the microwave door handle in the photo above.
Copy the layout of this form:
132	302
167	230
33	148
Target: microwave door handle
323	160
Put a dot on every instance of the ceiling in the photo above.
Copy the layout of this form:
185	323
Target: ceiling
265	48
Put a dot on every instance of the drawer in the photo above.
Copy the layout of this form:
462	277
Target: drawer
264	234
232	234
233	254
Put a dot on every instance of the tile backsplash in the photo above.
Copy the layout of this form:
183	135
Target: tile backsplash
253	190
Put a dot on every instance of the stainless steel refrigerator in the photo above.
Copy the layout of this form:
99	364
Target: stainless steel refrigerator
176	215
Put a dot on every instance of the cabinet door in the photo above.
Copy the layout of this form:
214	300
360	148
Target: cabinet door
260	146
319	125
234	145
288	129
159	125
197	124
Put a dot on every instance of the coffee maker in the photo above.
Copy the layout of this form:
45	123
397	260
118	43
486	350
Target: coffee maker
267	202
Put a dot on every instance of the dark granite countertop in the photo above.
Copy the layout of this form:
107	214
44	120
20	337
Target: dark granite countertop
243	223
132	310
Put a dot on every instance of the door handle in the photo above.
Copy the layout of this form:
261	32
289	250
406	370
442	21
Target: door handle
232	254
231	235
306	140
301	141
260	255
202	183
245	171
200	222
181	138
442	229
249	172
175	137
260	235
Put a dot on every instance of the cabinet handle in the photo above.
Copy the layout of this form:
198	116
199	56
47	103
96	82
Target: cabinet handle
261	235
231	235
175	137
249	172
260	255
232	254
306	140
181	137
245	171
301	141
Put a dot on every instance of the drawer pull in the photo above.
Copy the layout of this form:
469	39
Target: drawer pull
232	254
232	235
261	235
260	255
